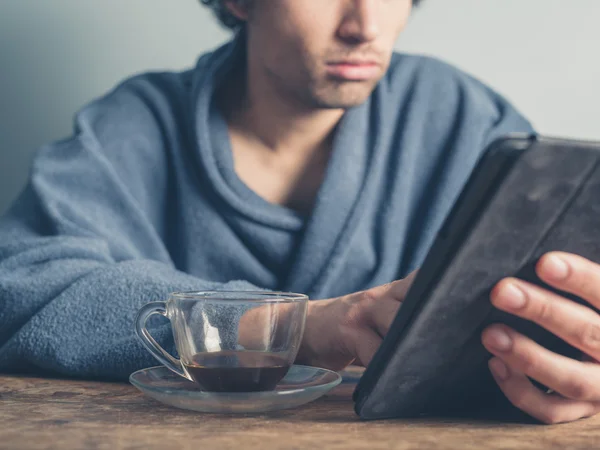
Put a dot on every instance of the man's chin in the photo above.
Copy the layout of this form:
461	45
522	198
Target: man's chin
341	103
343	98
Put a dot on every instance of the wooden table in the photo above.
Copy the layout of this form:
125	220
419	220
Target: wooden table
49	413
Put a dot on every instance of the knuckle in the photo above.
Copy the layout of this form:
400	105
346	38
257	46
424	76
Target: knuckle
589	337
550	416
585	284
367	298
354	315
359	306
387	286
545	311
521	402
577	389
529	362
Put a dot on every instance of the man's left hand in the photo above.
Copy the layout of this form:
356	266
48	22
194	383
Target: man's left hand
574	385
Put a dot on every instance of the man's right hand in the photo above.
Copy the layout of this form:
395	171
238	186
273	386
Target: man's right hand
349	329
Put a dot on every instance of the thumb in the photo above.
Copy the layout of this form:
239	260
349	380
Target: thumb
397	289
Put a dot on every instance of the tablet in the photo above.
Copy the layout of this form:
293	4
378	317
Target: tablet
526	196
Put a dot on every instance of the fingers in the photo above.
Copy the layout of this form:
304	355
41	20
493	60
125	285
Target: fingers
571	273
548	408
576	324
350	328
380	304
367	343
572	379
576	384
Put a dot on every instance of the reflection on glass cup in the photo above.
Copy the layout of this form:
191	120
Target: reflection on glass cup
240	341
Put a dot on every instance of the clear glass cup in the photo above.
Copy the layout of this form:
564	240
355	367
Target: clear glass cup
227	341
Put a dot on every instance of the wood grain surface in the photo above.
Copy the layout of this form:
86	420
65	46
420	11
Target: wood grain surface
40	413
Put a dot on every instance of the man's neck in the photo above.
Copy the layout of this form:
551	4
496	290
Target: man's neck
277	121
280	148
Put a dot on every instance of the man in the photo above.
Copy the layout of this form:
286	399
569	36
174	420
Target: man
302	156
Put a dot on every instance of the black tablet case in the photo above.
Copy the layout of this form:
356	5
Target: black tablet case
549	199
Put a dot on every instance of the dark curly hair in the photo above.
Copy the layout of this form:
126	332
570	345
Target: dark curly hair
228	20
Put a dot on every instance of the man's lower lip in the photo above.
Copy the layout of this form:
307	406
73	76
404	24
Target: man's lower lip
354	72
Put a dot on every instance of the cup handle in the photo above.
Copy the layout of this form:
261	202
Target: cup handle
153	347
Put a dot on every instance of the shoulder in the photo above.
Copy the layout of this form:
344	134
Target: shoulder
124	138
144	104
135	125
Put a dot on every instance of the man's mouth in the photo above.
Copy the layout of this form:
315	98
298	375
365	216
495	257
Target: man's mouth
354	70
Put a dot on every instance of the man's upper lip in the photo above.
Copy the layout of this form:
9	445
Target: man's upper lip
354	62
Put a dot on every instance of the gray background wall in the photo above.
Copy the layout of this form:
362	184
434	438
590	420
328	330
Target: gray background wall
56	55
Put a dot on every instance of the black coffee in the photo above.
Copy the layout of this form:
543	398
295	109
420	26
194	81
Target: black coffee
233	371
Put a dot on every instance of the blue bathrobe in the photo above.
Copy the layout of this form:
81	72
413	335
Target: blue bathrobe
143	200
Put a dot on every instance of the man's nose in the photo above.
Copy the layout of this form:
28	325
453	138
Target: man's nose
361	22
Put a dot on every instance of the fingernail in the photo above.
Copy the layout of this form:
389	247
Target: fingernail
499	340
556	267
512	297
498	368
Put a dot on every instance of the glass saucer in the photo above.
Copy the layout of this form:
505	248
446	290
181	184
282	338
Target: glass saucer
302	384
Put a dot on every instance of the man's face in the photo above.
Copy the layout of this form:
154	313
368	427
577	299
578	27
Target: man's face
324	53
